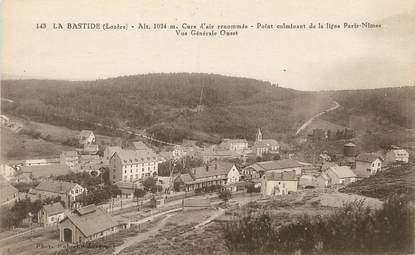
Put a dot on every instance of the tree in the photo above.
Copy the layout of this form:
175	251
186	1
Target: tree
139	193
150	184
225	195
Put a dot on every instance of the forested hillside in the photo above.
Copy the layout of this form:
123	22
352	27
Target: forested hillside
395	105
164	105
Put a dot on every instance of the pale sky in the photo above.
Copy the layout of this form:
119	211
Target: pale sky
313	60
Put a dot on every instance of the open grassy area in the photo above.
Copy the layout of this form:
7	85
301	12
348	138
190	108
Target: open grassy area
395	180
19	146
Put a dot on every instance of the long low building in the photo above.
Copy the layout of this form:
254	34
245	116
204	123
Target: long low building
257	169
86	224
220	173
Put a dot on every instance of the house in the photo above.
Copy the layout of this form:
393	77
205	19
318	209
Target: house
8	194
86	137
41	162
220	173
86	224
68	191
283	183
69	158
90	149
323	180
219	155
51	214
340	175
264	146
277	166
368	164
4	121
178	152
45	171
7	171
234	144
108	152
397	154
129	165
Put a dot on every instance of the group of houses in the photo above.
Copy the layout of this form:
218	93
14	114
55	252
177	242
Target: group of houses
353	166
241	149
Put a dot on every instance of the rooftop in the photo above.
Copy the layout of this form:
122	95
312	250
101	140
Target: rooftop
368	157
60	187
283	176
46	170
137	157
343	171
279	164
53	209
91	220
85	133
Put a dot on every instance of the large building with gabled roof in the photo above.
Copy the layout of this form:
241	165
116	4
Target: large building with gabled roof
86	224
133	165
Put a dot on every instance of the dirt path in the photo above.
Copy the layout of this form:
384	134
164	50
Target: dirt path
308	122
141	236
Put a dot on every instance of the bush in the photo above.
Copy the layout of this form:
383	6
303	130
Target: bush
354	228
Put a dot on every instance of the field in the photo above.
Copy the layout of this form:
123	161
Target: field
24	146
18	146
395	180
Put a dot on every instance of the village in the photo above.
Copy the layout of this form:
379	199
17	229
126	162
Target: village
85	195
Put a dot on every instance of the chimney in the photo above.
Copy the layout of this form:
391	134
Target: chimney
207	168
216	166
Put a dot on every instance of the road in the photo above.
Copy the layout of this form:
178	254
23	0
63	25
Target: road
308	122
141	236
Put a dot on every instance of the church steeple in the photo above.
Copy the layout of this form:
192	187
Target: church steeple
258	135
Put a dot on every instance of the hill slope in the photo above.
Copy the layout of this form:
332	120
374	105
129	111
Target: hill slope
164	105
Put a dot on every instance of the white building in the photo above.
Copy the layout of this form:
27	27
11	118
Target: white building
368	164
7	171
340	175
86	137
397	155
69	158
233	175
51	214
129	165
234	144
279	183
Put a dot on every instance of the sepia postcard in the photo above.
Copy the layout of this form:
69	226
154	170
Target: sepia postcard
207	127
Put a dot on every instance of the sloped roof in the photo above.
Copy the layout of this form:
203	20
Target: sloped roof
46	170
283	176
229	141
350	144
186	178
342	171
399	152
368	157
219	168
69	153
91	220
326	165
136	157
60	187
278	164
6	190
85	133
53	209
266	143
